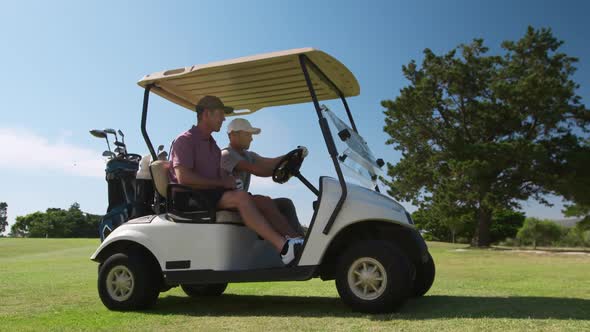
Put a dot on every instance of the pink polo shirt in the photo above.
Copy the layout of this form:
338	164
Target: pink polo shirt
197	151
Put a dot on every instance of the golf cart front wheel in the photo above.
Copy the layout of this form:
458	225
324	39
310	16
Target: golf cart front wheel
126	282
374	277
425	272
204	290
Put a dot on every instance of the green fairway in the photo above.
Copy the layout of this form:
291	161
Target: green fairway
51	284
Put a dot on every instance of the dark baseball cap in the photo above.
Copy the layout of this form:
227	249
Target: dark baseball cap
212	103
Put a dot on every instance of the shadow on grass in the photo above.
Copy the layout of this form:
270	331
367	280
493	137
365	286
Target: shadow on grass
428	307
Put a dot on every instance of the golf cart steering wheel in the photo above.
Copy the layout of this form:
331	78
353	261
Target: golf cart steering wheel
288	166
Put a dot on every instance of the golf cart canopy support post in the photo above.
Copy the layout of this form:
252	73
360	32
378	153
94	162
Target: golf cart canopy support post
338	91
148	142
334	87
328	138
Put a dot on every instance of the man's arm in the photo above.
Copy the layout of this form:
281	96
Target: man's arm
269	162
272	162
262	168
187	177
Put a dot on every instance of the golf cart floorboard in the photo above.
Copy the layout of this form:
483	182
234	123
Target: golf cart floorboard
295	273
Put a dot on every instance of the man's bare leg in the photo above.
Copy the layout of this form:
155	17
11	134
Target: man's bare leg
276	219
287	209
252	217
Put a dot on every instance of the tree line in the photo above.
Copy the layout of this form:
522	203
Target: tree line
509	228
57	223
536	232
3	216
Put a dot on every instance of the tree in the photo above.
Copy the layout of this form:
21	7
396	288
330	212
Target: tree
540	232
575	237
427	221
482	133
57	223
576	210
505	224
579	210
3	216
30	225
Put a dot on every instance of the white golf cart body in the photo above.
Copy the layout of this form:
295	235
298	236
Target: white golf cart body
230	246
224	250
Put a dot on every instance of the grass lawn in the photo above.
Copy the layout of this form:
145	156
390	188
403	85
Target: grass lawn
50	284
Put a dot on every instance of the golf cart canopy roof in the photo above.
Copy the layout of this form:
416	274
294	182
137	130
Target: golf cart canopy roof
254	82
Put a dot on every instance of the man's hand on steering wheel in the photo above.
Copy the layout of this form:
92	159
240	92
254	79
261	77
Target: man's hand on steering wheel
303	149
289	165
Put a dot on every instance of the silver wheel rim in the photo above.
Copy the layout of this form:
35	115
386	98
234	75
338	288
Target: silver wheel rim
367	278
120	283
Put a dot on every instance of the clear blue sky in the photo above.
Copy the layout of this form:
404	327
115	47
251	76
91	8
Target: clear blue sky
68	67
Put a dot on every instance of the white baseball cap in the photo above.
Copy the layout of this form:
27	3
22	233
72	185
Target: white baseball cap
242	125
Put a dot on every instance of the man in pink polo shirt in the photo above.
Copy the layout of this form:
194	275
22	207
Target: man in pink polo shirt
195	161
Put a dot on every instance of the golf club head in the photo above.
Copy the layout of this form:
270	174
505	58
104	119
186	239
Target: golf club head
108	154
163	155
119	150
98	133
112	132
120	133
120	144
160	148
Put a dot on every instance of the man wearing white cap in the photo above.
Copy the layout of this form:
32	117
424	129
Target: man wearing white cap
241	163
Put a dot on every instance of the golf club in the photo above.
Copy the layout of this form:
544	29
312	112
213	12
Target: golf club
112	132
122	139
101	134
162	155
122	146
109	154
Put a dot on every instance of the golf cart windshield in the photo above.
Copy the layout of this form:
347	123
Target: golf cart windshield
356	156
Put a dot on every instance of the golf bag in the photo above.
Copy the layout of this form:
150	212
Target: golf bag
113	219
128	197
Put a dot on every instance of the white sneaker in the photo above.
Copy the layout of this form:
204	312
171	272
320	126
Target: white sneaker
299	239
293	251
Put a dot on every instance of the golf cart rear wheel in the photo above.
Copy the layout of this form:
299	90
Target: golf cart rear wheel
424	277
127	282
204	290
374	277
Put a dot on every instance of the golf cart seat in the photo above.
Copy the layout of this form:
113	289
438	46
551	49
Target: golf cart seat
178	197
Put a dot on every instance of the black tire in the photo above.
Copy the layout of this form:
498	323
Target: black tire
204	290
424	277
391	293
144	287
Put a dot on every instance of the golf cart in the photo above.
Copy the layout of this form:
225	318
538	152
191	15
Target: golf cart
361	238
